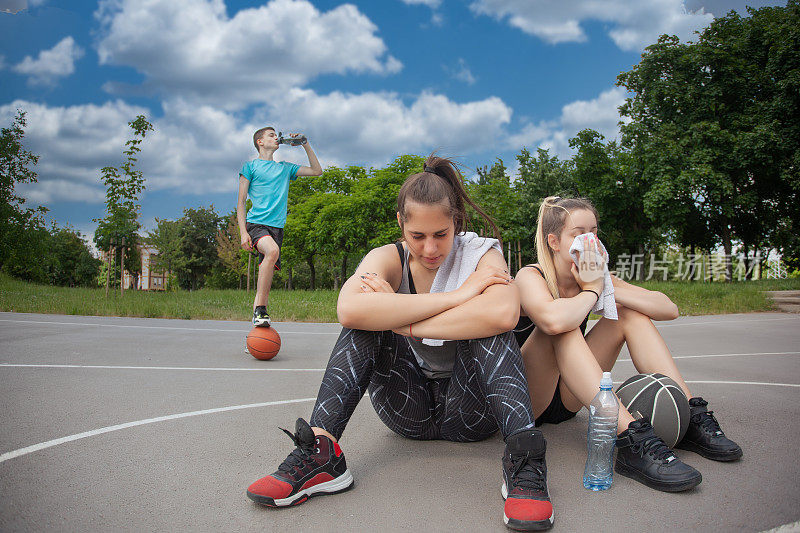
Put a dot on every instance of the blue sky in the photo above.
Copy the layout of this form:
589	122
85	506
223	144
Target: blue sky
366	80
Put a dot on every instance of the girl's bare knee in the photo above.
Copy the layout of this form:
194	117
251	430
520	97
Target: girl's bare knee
626	314
567	335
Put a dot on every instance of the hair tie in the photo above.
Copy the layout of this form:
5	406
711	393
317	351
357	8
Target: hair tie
430	170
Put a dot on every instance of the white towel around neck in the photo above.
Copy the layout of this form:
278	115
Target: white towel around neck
468	248
606	304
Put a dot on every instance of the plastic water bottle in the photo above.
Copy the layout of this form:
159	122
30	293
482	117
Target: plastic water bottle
291	140
601	437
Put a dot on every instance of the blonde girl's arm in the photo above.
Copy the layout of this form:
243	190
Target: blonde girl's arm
654	304
552	315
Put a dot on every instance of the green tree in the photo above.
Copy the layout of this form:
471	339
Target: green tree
70	260
611	178
123	187
232	266
166	239
539	177
22	230
714	123
198	246
494	193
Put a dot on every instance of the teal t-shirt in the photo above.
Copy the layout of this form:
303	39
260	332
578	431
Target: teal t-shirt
268	190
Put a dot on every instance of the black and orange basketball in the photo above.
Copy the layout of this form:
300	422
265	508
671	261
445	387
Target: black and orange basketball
263	343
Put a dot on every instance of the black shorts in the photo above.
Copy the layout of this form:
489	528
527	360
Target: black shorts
257	231
555	412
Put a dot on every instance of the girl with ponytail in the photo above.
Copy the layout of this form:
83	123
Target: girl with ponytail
426	330
564	367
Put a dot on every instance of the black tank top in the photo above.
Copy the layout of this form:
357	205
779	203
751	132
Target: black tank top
525	326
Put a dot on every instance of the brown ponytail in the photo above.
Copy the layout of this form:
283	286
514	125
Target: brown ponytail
441	180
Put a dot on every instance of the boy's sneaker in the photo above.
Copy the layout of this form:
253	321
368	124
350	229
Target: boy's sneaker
527	506
260	317
705	437
642	455
316	466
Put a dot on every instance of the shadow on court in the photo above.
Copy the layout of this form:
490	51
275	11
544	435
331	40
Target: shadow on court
148	424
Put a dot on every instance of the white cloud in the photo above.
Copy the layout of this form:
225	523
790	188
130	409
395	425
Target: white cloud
461	72
196	149
73	143
200	149
373	128
46	191
51	64
599	114
193	49
429	3
632	25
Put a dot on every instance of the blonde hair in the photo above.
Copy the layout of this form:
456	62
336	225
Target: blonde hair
553	213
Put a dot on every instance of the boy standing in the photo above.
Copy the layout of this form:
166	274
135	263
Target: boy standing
267	183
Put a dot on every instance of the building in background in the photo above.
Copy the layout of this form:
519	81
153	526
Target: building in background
149	279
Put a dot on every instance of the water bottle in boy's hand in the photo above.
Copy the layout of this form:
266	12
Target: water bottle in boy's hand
601	437
294	139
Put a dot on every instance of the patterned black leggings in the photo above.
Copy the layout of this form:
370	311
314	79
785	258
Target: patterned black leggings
487	389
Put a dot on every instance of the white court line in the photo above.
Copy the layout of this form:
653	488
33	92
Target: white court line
724	355
724	322
720	322
55	442
794	527
159	327
766	383
231	369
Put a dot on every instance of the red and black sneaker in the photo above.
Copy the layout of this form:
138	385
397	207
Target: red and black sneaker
528	506
316	466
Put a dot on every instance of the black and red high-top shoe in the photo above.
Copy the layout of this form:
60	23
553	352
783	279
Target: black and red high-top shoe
316	466
527	506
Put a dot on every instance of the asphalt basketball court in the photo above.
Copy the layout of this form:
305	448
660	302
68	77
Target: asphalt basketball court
147	424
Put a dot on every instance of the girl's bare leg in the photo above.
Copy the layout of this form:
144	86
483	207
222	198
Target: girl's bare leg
648	350
541	370
581	369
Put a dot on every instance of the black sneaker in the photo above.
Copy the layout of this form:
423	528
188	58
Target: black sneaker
643	456
524	489
705	437
260	317
316	466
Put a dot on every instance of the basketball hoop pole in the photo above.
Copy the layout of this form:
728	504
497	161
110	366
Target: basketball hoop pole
108	268
122	268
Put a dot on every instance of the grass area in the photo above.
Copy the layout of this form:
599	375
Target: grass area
695	298
295	306
320	306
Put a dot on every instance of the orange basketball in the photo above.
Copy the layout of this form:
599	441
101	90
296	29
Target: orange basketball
263	343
